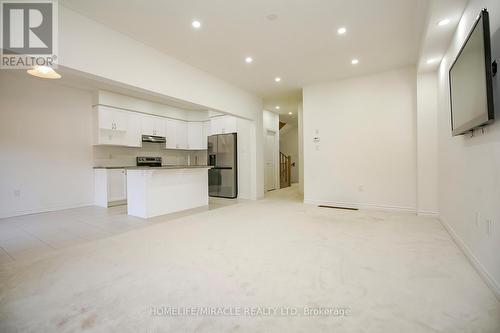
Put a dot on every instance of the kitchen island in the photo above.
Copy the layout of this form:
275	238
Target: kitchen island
163	190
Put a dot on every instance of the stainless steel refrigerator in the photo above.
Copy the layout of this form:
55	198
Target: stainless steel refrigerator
222	155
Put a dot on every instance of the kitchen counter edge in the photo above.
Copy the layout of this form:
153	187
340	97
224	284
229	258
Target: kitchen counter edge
156	168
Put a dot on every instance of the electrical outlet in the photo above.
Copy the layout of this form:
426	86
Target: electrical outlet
361	188
17	193
478	219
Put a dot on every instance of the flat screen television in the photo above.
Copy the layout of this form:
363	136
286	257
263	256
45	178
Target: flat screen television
471	87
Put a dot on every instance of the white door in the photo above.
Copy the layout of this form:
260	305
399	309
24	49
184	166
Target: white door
270	161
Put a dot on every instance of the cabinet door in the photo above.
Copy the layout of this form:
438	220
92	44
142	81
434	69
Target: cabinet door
223	125
111	119
195	135
170	135
159	126
152	125
117	185
112	138
133	138
206	134
147	125
181	135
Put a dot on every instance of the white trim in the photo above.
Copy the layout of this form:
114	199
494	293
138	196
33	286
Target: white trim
481	270
362	206
15	213
427	214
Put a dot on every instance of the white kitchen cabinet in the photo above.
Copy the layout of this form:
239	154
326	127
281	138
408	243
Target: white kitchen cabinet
170	133
153	125
110	186
110	126
206	134
223	125
133	137
195	135
110	118
181	135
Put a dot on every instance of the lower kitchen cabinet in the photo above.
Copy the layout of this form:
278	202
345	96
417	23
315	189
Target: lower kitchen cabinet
110	186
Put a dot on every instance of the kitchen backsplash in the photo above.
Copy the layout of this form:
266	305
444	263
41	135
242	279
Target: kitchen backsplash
109	156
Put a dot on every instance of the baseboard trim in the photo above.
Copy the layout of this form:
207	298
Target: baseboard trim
4	215
481	270
424	213
362	206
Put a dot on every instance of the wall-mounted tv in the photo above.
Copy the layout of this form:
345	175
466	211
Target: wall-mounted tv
471	89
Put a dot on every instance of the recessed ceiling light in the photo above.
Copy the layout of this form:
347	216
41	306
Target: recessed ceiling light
290	113
196	24
277	79
341	31
277	107
443	22
272	17
248	60
354	61
44	72
432	60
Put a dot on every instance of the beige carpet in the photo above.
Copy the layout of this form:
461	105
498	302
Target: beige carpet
390	272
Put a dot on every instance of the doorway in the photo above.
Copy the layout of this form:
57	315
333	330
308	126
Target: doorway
270	161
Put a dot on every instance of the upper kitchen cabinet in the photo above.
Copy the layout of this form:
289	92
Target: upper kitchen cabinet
133	137
181	134
206	134
196	140
111	118
170	133
223	125
152	125
110	126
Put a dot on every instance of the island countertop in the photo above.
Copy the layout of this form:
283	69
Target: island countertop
156	168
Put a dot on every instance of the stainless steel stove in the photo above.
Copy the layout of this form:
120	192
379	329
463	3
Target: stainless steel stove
143	161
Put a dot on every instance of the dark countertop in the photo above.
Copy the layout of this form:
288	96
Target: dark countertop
156	168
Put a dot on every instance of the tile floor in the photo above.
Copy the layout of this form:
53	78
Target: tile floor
35	235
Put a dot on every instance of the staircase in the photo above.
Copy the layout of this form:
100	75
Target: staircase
285	172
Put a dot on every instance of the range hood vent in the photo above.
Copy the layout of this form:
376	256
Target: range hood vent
153	138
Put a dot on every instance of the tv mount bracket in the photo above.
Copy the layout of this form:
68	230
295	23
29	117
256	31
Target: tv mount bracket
494	68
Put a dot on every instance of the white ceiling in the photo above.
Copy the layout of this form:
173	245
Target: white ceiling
301	45
436	39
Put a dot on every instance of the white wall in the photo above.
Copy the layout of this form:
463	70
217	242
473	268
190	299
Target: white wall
469	168
301	148
289	145
45	146
427	159
245	128
271	122
96	50
366	156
